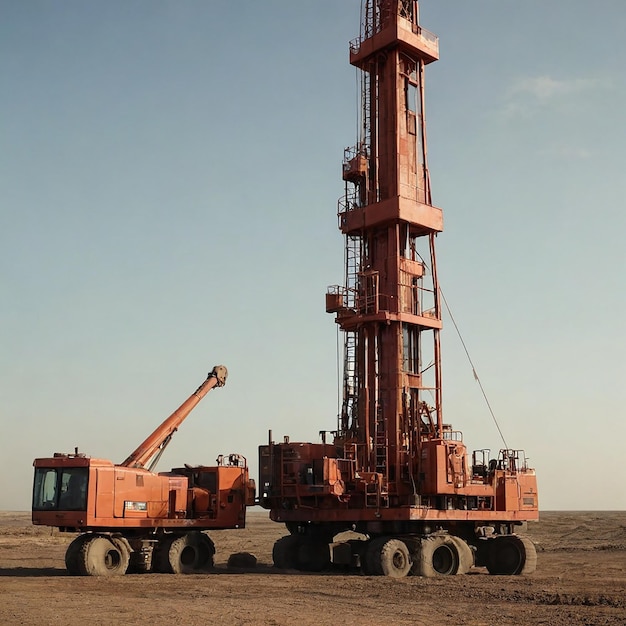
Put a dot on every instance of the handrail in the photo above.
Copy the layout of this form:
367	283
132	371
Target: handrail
430	38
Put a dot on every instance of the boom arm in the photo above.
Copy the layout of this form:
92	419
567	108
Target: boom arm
155	444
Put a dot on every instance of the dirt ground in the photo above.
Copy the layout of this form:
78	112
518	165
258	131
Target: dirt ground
580	579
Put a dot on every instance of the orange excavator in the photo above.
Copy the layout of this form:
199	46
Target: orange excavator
133	519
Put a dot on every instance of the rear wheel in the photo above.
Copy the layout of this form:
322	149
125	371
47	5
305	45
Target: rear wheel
511	555
100	556
207	551
185	554
160	556
466	556
437	556
190	553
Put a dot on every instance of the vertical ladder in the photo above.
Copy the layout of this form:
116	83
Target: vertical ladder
381	441
349	418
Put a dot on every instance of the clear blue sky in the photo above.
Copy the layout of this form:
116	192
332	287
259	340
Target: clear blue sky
168	181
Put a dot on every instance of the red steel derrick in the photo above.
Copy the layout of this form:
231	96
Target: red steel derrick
390	308
394	472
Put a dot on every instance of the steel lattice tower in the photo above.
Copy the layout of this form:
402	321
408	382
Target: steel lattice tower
389	307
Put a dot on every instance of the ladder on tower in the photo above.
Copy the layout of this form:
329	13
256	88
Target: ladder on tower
350	383
353	266
381	446
377	494
366	130
350	375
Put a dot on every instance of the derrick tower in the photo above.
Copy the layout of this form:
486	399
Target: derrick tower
394	472
389	307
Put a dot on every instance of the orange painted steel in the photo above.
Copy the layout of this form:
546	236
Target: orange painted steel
133	498
77	493
394	465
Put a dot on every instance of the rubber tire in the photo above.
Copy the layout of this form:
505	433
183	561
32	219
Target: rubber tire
511	555
438	555
466	555
186	554
72	563
100	556
313	555
207	551
395	559
371	565
160	556
285	552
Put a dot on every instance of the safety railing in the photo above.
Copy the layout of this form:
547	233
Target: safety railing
347	202
430	39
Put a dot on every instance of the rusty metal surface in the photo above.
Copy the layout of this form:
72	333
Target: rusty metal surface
392	458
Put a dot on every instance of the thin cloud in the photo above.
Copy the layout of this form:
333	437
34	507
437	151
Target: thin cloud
528	94
546	88
567	152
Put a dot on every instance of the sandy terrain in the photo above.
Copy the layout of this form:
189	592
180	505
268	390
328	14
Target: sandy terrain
580	579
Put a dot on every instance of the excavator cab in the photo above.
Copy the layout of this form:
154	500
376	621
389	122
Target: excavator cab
60	488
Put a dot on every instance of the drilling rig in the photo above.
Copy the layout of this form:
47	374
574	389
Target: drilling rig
133	519
396	491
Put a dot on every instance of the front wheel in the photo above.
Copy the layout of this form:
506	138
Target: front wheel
72	558
101	556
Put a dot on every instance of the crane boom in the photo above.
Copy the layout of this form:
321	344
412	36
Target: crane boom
152	448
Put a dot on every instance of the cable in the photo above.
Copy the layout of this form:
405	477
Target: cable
469	358
359	104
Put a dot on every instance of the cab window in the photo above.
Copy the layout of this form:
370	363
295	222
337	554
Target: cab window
62	489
